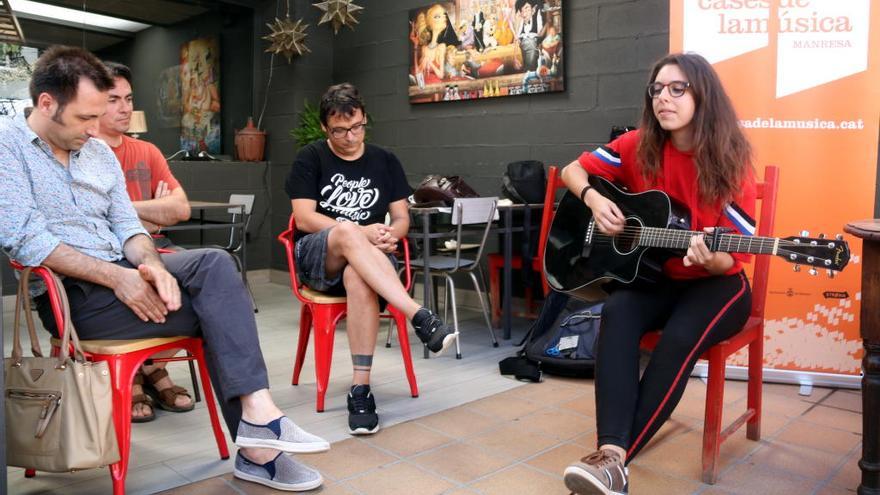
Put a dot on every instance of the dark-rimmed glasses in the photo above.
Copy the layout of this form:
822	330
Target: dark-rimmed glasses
676	88
341	132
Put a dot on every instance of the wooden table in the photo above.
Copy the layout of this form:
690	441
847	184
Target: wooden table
869	232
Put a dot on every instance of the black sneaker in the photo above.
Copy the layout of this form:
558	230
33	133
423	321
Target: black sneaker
431	330
362	417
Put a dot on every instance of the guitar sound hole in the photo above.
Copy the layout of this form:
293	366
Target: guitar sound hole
627	241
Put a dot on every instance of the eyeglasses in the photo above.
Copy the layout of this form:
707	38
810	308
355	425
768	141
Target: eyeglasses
341	132
676	88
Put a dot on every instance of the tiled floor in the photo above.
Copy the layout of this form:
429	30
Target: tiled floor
472	431
178	449
519	441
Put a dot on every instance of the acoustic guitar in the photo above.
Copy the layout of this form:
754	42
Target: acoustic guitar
581	260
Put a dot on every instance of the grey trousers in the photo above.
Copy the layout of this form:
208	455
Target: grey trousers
215	307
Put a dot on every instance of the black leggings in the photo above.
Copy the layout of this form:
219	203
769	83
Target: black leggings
694	315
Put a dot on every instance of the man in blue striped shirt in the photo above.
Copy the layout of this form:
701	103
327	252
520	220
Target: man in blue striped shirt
65	206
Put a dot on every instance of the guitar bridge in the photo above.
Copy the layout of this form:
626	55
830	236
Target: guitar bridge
588	239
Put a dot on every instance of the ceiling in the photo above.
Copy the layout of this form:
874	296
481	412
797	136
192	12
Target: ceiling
40	33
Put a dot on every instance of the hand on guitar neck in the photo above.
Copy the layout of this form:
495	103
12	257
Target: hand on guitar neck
699	253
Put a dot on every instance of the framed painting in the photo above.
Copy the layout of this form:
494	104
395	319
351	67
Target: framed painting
200	95
470	49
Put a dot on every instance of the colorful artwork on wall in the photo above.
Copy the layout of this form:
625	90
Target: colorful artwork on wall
467	49
168	96
200	96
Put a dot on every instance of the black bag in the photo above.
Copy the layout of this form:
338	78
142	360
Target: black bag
617	131
562	341
524	182
442	190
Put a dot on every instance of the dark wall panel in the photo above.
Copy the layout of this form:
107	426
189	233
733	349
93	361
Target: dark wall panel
158	48
609	45
608	48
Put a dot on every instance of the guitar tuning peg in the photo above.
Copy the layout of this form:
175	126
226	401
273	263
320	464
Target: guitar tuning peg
814	272
821	235
839	237
797	268
831	273
805	233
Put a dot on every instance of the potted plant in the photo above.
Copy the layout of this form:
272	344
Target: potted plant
309	128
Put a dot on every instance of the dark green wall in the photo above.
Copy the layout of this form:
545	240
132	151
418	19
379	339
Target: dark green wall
157	48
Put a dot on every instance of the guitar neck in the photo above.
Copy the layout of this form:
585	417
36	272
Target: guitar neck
728	243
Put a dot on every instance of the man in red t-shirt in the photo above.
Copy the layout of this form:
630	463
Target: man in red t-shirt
159	200
157	196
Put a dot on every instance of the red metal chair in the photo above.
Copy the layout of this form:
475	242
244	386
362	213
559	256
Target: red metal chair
752	335
496	260
125	357
323	312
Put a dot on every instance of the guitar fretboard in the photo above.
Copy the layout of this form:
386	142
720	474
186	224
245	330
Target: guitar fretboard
728	243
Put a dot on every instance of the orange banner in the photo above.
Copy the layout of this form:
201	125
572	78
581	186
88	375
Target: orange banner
805	80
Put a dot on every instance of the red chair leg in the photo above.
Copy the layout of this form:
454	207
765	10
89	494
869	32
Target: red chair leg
755	389
403	337
325	324
122	369
305	327
712	422
495	291
199	354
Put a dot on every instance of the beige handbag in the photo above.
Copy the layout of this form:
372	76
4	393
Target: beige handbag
59	414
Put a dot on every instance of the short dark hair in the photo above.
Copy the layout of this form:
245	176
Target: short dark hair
119	70
59	70
340	99
522	3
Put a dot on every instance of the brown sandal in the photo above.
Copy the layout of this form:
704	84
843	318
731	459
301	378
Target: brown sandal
165	399
142	399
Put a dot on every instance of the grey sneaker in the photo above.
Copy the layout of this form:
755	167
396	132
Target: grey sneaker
600	473
282	434
281	473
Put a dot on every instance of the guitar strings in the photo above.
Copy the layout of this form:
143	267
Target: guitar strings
764	242
630	233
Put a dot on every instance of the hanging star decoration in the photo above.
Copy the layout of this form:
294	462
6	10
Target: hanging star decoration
339	12
287	37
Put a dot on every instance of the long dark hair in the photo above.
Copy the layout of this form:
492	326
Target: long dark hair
721	152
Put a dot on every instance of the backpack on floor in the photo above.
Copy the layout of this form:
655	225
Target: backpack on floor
562	341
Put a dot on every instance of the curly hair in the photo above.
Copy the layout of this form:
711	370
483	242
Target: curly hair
721	151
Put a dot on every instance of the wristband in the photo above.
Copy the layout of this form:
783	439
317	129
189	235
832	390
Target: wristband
584	192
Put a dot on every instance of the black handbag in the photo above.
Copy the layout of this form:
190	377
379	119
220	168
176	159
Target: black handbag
442	189
524	182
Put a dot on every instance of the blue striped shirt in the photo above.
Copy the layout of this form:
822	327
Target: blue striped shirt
43	203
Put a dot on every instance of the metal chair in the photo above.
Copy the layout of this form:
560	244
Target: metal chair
495	261
322	312
465	211
125	358
235	244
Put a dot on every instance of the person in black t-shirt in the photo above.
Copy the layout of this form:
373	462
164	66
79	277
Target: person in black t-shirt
341	189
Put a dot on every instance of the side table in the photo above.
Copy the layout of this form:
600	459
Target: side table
869	232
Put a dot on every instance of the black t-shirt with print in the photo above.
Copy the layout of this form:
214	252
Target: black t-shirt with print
357	191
